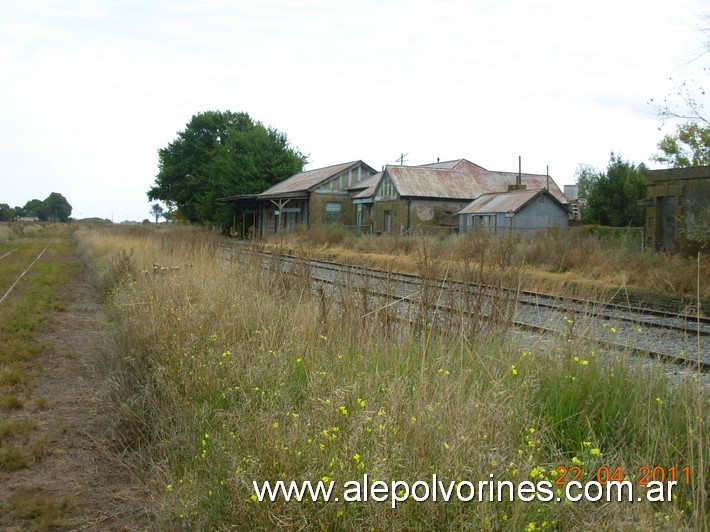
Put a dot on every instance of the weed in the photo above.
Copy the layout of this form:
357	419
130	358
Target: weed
42	511
11	458
41	403
10	402
38	445
12	376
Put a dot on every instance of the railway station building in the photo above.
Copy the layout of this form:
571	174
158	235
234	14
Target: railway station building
399	199
418	198
312	198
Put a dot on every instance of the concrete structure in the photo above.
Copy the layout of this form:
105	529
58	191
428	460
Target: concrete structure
576	204
677	207
517	211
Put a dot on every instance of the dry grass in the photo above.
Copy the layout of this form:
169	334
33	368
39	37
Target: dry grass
233	374
42	512
10	402
582	260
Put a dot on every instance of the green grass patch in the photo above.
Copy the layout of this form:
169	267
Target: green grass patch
33	299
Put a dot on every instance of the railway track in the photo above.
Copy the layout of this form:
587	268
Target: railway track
8	253
672	337
4	294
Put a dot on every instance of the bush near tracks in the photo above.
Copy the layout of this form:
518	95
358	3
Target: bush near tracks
232	375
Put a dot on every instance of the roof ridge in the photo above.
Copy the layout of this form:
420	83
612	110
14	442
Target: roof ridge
331	166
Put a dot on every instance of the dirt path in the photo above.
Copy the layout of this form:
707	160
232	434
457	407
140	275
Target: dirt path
78	481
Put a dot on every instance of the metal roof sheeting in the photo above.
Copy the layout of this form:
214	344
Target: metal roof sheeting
461	180
306	181
368	186
444	164
503	202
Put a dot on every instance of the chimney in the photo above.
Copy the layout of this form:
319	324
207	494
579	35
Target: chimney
519	179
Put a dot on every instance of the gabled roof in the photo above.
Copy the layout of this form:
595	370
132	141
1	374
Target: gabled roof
461	179
366	188
305	182
448	164
501	202
531	182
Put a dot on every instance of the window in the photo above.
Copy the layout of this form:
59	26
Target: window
332	212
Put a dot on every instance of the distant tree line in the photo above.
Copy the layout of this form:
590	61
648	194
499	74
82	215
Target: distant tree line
54	208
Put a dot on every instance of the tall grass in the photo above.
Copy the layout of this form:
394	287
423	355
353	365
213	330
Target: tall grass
231	373
576	260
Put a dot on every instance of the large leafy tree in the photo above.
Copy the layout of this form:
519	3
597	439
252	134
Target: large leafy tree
7	213
34	207
612	200
55	208
221	154
688	146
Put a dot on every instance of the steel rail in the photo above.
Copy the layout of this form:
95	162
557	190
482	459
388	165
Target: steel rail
540	300
22	275
689	322
8	253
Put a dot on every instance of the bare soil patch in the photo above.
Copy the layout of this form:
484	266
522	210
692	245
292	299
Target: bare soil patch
79	480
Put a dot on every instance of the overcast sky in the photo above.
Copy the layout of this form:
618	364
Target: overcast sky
90	90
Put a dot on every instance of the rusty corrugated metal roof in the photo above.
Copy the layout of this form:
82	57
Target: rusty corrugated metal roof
502	202
307	181
461	179
365	183
443	164
368	186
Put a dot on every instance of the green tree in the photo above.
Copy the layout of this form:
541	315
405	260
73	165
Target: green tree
613	198
586	177
34	207
688	146
6	212
156	211
55	208
221	154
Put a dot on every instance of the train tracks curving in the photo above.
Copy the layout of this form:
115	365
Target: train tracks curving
672	337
